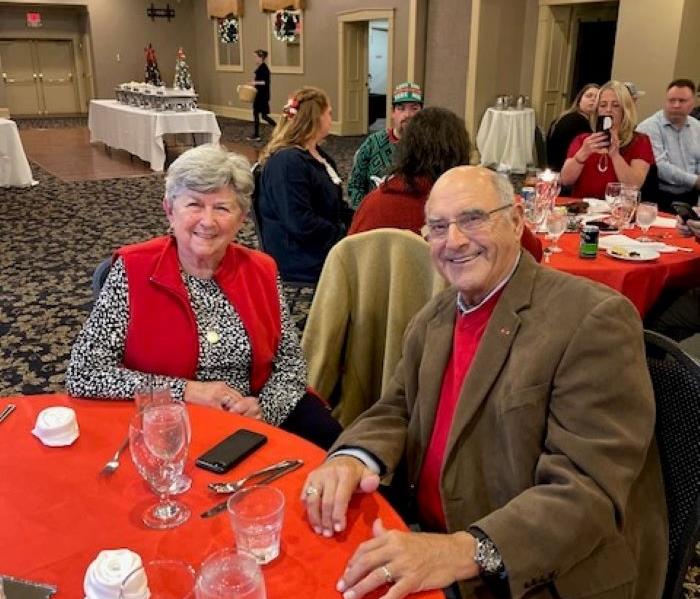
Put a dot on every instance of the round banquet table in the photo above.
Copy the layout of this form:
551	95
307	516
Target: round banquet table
641	282
57	513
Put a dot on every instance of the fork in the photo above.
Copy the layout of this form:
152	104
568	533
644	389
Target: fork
113	464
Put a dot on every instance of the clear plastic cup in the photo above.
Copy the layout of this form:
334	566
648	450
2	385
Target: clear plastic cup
256	514
227	574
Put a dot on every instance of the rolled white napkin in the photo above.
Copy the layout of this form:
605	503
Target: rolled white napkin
106	573
56	426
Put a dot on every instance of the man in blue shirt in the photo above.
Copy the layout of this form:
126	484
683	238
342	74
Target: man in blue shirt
675	138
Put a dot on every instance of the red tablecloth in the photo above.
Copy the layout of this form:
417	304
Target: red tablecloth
641	282
56	513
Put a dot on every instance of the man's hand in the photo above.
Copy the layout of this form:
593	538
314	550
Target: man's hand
328	489
215	394
409	561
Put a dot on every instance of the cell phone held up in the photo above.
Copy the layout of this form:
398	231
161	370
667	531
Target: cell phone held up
604	124
227	453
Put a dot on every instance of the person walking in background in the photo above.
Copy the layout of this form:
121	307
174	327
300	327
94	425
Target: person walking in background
675	139
572	122
374	158
261	104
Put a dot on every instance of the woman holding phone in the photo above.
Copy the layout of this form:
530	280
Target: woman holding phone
614	152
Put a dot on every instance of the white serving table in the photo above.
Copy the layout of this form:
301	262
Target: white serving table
506	137
14	167
140	131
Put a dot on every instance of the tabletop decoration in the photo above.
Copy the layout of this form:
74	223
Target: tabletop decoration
104	576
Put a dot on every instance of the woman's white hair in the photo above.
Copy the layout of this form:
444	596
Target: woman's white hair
207	168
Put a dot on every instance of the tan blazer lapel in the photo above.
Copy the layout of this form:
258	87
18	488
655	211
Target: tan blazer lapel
436	352
493	349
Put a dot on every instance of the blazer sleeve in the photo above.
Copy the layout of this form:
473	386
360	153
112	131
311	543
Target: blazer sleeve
599	427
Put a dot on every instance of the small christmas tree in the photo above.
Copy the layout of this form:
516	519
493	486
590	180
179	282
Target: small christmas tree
183	78
152	74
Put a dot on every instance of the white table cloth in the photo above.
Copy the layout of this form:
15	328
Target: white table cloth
14	167
141	131
506	137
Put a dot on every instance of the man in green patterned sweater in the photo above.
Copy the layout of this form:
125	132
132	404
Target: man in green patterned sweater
374	157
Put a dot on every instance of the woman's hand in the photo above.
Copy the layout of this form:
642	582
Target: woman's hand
594	143
215	394
614	147
247	406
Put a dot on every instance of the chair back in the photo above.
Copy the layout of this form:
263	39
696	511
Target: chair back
676	380
100	276
371	285
255	216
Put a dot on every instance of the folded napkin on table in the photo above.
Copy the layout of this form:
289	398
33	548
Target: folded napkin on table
610	241
664	222
106	573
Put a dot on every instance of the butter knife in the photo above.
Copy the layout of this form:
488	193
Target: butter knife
7	411
220	507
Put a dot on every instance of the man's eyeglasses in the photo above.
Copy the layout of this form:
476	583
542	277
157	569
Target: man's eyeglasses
467	222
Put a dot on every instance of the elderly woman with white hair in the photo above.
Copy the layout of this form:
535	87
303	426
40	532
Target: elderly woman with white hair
200	313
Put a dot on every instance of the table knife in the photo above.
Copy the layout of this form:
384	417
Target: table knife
220	507
7	411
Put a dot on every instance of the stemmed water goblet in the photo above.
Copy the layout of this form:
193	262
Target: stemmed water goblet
646	215
612	193
158	446
557	221
151	394
547	189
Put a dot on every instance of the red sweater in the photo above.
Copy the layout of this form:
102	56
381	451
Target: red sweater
392	205
162	336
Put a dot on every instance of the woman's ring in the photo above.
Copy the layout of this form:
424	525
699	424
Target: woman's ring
311	490
388	578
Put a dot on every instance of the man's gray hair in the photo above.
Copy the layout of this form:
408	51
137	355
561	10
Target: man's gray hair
504	188
207	168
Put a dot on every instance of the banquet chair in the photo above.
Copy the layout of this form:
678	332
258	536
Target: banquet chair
371	286
676	380
100	276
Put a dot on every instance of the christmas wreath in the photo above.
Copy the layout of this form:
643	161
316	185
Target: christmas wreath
228	30
285	25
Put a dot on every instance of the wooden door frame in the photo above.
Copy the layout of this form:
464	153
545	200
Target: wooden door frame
352	16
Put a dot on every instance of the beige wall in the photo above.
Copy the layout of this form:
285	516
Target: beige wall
447	50
688	59
115	27
320	52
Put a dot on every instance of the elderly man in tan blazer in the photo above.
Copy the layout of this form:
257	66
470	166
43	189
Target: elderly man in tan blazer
523	412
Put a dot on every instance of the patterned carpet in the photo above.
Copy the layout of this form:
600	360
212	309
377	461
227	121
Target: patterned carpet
51	238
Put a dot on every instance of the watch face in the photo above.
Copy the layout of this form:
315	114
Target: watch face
487	556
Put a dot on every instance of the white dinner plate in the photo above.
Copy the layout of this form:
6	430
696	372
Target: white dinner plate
633	254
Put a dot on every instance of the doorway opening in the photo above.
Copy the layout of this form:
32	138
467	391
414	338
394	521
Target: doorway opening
365	58
594	54
377	74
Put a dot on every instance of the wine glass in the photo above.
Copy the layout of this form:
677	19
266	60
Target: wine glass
646	215
158	444
612	193
557	221
159	579
151	394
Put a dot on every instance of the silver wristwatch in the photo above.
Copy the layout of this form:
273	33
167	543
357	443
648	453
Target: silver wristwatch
487	556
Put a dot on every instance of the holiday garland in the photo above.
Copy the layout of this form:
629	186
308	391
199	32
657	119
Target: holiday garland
285	25
228	30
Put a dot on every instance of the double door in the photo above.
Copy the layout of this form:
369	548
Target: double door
39	77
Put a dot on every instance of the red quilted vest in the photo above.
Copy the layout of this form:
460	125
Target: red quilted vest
161	336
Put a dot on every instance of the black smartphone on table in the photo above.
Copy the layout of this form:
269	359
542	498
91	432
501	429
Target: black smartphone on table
604	124
227	453
685	211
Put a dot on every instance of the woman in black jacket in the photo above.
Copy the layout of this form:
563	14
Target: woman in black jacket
301	198
261	104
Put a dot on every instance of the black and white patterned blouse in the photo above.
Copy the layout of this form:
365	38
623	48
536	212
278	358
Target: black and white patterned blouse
95	368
